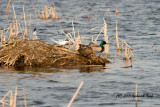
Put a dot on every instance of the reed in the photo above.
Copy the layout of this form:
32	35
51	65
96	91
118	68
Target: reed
25	32
117	41
102	28
73	32
7	6
46	12
88	17
17	32
106	39
35	12
25	101
11	32
117	12
126	53
12	99
1	36
136	87
53	15
75	94
30	31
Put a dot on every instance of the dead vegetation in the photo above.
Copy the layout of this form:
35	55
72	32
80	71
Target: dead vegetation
47	12
21	53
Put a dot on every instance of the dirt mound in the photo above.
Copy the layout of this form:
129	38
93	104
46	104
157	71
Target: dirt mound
21	53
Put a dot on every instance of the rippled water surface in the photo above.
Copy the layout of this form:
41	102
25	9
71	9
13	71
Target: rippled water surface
138	23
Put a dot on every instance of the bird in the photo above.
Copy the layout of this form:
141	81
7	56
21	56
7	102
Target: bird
34	34
92	48
60	42
97	48
85	50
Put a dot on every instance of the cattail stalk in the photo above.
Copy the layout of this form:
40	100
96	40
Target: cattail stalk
7	6
126	53
102	28
15	97
35	12
17	31
117	37
136	94
11	32
74	96
106	39
25	33
25	101
1	36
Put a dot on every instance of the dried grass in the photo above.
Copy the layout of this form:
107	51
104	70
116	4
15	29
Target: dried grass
21	53
46	13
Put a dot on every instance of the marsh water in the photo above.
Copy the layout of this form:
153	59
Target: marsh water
110	86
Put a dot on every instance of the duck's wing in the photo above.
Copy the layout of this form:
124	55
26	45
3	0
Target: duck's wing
97	49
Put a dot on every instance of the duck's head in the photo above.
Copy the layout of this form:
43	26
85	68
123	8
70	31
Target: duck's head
103	43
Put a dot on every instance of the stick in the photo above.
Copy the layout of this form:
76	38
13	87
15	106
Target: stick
74	96
117	37
136	95
102	28
95	27
25	33
15	97
30	32
1	36
25	102
7	6
126	53
106	39
17	34
73	32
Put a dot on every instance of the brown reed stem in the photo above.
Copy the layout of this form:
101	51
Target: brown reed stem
74	96
136	95
35	12
1	36
25	33
102	28
25	101
7	6
15	97
30	31
106	39
11	31
117	37
17	33
126	53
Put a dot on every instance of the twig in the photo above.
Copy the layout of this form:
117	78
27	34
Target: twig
102	28
25	101
74	96
7	6
136	94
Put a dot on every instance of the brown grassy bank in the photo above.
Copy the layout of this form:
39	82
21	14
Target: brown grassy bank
21	53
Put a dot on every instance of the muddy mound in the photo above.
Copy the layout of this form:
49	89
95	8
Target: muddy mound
21	53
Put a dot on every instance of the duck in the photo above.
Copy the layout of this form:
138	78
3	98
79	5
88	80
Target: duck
60	42
34	34
92	48
85	50
97	48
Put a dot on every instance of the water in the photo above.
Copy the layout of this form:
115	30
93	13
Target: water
138	23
